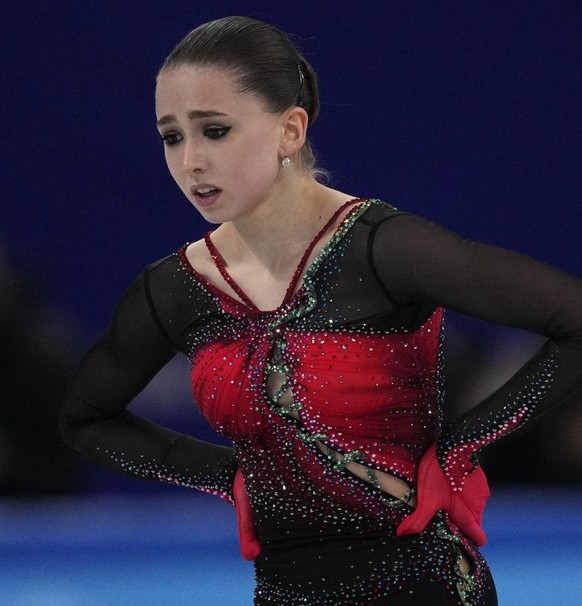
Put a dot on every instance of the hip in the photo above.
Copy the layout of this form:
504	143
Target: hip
373	568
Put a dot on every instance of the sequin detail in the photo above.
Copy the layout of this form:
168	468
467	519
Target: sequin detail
458	444
303	391
211	483
466	583
348	366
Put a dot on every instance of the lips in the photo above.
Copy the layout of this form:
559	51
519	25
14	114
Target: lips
205	191
205	194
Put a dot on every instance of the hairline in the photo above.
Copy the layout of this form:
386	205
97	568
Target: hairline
238	71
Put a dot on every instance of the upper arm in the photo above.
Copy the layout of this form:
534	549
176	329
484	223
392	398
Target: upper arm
122	361
417	260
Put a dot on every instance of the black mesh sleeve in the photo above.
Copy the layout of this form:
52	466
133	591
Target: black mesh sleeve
95	419
417	260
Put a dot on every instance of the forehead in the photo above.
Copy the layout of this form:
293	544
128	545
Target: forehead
190	87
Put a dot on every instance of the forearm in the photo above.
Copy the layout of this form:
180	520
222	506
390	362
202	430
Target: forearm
549	379
419	261
116	369
135	447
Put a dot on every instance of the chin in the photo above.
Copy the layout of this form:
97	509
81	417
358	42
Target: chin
215	216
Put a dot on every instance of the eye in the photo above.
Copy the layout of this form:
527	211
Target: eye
216	132
170	139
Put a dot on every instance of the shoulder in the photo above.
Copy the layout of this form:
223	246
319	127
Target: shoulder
174	276
158	275
175	293
196	256
387	221
404	241
378	211
166	269
376	214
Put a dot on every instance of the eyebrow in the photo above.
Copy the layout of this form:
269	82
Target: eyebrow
193	115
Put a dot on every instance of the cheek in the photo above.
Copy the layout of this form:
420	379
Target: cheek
257	174
172	164
260	159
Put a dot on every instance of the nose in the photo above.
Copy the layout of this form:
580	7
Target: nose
194	159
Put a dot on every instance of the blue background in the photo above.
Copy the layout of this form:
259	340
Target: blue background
465	112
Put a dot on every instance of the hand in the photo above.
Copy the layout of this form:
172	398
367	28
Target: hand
249	544
465	506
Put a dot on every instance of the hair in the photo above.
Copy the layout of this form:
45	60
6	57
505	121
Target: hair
264	60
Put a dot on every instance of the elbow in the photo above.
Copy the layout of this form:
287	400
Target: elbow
68	428
71	422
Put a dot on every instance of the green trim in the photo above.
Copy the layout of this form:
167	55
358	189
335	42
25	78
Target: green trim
308	287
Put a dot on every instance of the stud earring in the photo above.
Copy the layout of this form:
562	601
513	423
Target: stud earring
286	161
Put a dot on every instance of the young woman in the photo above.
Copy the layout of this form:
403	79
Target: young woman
312	318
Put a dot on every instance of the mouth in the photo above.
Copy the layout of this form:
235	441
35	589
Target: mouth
205	192
205	195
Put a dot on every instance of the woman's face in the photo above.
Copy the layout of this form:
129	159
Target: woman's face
222	147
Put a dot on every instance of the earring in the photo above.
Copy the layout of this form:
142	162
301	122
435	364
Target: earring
286	161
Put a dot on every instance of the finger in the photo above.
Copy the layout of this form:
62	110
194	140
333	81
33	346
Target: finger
249	544
416	522
249	550
469	527
468	518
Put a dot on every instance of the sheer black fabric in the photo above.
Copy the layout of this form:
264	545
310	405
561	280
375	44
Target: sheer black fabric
435	265
379	282
116	369
395	269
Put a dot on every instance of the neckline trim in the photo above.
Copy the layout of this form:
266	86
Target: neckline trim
341	230
295	277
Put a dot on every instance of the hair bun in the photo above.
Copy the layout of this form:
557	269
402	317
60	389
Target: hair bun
309	93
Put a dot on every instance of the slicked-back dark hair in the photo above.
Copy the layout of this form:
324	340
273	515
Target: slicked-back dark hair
263	59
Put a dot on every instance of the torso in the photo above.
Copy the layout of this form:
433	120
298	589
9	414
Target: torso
253	284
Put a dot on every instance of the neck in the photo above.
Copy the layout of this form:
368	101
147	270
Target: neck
279	230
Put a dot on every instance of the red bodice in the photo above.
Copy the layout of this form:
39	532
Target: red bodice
373	393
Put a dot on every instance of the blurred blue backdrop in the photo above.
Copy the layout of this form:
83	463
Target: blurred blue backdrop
465	112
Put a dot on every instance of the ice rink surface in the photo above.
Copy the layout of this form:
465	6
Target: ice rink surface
181	550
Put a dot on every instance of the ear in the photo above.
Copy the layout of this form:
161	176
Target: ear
294	122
